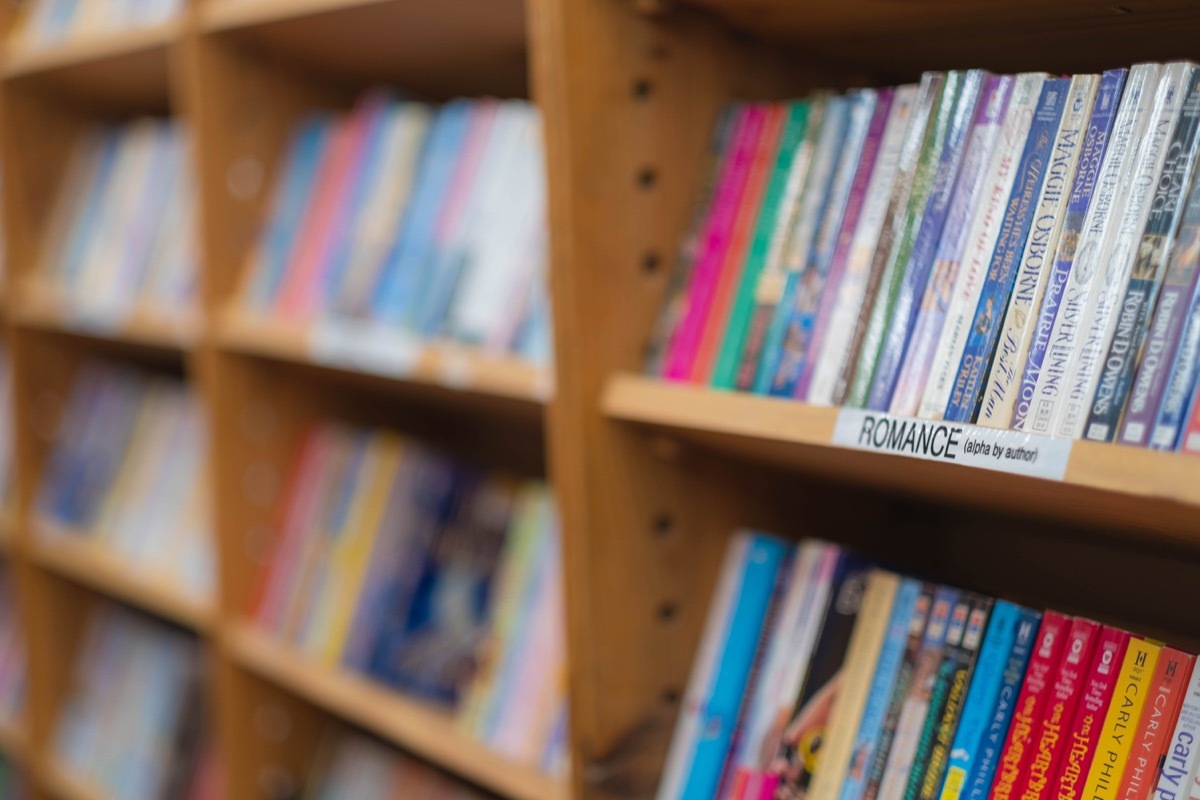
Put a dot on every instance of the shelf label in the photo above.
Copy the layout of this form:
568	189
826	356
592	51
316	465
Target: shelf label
934	440
365	346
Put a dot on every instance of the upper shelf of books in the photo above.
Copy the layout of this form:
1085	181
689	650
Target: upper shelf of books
436	47
1003	35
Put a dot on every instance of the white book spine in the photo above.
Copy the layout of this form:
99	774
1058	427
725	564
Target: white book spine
848	305
1109	285
1108	203
985	230
1003	383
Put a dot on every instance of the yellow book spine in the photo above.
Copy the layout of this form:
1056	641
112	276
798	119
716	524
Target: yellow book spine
1121	721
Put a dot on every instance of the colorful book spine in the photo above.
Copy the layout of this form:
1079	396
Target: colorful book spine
927	328
1002	271
1150	743
722	217
1017	756
1012	347
1124	713
970	110
727	651
1189	440
766	243
733	262
908	611
839	310
801	296
985	228
1087	175
931	187
799	344
1158	239
982	696
1095	242
1177	778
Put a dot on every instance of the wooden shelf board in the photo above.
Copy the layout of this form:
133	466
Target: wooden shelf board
76	557
437	47
43	307
59	782
126	68
425	731
1104	483
445	366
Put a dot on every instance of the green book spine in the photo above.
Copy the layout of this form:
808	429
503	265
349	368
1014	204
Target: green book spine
767	228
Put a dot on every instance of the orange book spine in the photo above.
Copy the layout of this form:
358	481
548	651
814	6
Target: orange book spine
1167	689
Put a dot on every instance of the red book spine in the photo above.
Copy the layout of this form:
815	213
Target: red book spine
1059	710
1153	735
1089	716
1017	755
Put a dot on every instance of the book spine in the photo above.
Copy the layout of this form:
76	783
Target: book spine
985	228
1124	712
733	263
1060	709
800	339
918	356
981	697
1111	283
775	211
970	110
1012	347
931	187
1017	756
800	302
910	155
777	288
717	229
840	309
1091	160
1149	744
1104	216
1158	237
1002	271
904	613
1177	778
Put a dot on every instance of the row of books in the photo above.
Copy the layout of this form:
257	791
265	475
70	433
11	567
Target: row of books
46	22
427	575
1013	251
820	676
12	653
128	471
122	233
131	723
350	766
425	220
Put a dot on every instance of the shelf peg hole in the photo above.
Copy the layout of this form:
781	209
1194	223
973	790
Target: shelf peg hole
663	525
670	697
642	89
667	612
647	177
651	261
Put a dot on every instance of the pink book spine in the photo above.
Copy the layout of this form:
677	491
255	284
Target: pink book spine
328	207
686	339
483	114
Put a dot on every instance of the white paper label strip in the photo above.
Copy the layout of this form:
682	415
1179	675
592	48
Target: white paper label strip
933	440
365	347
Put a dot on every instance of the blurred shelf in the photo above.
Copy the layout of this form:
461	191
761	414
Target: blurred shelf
1143	489
446	366
425	731
123	68
436	47
43	307
14	742
58	782
75	557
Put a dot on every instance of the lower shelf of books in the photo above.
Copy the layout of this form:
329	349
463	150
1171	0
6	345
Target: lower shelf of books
416	727
1117	485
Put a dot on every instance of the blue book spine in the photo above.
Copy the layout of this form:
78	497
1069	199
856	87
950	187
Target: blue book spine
983	770
882	685
1006	257
291	199
1181	387
760	569
837	120
394	294
981	697
967	110
82	225
1104	113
